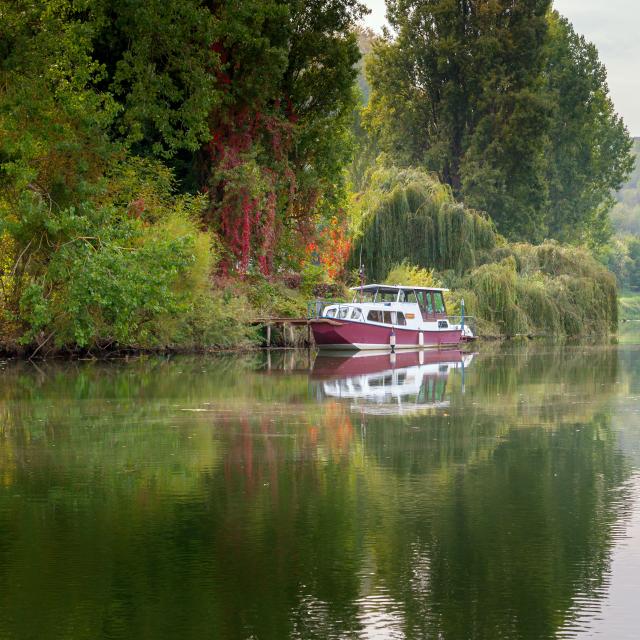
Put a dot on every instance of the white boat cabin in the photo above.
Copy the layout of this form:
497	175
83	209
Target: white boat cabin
406	307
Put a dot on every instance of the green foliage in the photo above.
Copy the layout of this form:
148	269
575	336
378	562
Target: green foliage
508	106
625	216
216	319
92	275
630	307
496	295
405	273
103	104
312	276
409	215
272	299
547	289
622	254
160	69
588	144
409	221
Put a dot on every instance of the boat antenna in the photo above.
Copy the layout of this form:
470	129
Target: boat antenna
361	273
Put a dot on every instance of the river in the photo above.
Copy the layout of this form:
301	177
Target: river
487	494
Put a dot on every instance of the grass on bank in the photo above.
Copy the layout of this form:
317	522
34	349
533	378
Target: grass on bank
629	304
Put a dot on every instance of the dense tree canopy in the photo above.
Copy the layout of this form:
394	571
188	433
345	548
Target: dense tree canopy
508	106
280	139
588	146
103	103
148	148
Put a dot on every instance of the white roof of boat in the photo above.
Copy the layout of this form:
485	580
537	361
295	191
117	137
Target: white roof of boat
390	288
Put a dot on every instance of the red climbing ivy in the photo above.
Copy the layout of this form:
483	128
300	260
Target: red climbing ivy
279	136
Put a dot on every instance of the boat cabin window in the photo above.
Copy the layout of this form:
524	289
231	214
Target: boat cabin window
408	296
375	316
363	296
400	319
330	313
439	301
386	296
343	313
356	314
387	317
425	302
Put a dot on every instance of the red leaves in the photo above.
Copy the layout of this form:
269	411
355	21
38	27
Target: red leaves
336	248
246	199
136	208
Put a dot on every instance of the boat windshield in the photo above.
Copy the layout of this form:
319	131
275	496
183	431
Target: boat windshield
387	296
408	295
364	296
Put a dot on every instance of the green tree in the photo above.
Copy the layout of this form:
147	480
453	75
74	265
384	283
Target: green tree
457	91
508	106
98	247
280	140
588	150
160	67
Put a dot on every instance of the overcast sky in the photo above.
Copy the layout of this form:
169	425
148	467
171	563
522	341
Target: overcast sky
612	25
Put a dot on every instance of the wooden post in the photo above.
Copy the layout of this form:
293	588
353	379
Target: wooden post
308	335
268	335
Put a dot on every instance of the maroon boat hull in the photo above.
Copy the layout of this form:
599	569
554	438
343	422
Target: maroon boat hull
335	366
359	335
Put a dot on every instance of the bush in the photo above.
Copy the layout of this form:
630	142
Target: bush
115	279
407	274
546	289
104	272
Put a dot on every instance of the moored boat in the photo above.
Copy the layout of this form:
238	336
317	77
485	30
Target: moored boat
389	317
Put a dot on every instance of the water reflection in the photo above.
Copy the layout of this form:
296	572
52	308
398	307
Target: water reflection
237	498
389	383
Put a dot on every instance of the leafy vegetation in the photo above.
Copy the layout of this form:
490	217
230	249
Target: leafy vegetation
511	288
509	107
546	289
630	307
171	171
406	214
623	253
142	151
626	214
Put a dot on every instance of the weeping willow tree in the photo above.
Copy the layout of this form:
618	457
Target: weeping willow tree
406	220
548	289
408	215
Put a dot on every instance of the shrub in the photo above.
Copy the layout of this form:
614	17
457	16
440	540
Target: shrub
546	289
102	272
407	274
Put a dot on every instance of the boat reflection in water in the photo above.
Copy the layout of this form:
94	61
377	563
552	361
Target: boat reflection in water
386	383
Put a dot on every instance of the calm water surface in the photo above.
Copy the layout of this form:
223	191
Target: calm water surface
449	495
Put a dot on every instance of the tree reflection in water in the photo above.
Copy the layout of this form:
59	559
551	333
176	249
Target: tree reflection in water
229	498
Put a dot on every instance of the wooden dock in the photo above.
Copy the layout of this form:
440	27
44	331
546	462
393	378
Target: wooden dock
287	325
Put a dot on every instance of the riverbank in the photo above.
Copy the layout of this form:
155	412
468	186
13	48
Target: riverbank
629	305
504	305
